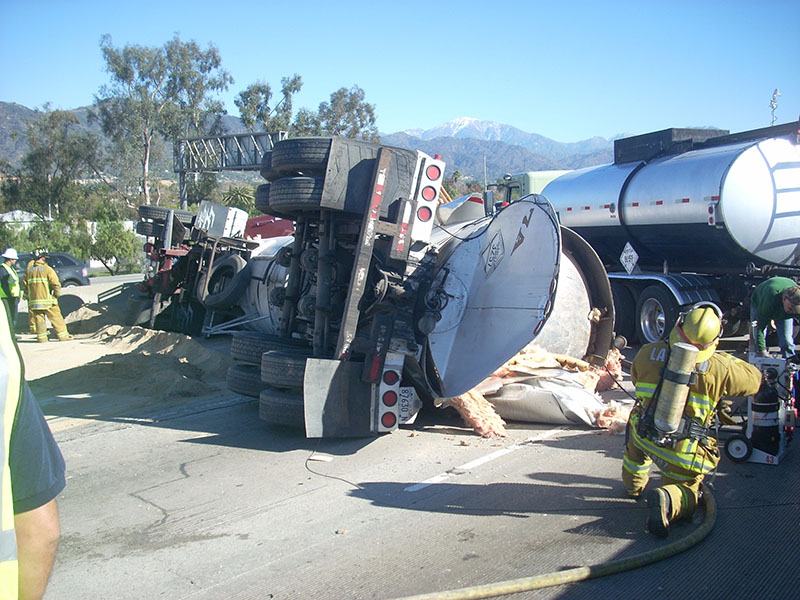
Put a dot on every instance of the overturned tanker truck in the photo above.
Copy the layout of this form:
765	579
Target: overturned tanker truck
684	215
378	303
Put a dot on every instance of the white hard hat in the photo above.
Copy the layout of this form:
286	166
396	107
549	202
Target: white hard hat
10	253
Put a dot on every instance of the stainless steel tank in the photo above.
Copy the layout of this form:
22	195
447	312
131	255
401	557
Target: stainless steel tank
715	208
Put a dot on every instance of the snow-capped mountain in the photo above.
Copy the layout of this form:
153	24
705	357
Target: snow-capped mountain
469	128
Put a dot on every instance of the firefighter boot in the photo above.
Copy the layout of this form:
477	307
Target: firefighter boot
658	508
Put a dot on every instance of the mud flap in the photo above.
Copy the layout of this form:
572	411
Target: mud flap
336	402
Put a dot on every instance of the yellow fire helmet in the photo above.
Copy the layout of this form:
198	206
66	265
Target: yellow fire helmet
700	326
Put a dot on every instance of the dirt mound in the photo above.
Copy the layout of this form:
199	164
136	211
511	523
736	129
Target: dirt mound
90	318
143	362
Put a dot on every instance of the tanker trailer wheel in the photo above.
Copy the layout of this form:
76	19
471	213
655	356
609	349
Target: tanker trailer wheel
249	346
308	156
281	407
148	229
244	380
624	311
657	312
266	166
284	368
293	194
227	282
738	448
159	214
262	198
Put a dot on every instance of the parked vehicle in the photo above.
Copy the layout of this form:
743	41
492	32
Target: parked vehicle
71	271
684	215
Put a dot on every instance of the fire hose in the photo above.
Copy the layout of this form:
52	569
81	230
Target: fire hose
525	584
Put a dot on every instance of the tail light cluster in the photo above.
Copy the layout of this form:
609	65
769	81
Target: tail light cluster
429	185
389	393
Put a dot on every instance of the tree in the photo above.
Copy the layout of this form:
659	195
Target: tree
254	104
47	182
153	92
202	186
114	246
61	236
346	114
240	197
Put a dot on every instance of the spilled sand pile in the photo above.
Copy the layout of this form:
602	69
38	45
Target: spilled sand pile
157	365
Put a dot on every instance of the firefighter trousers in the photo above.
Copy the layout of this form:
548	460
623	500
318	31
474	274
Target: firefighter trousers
53	313
681	485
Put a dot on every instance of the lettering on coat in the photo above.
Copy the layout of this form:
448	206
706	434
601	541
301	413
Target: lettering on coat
658	354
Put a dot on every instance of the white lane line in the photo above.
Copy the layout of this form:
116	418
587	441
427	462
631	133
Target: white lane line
483	460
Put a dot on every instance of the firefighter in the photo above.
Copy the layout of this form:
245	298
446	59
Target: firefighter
687	454
9	284
42	289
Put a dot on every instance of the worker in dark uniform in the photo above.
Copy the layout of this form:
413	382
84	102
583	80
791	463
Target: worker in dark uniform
683	458
32	477
775	300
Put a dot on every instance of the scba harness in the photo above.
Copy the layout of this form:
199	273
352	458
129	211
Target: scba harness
664	421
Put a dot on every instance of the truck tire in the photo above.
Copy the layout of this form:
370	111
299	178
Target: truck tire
228	281
656	314
295	194
262	198
156	230
159	214
624	311
266	166
248	346
284	368
149	229
281	407
138	310
300	155
244	380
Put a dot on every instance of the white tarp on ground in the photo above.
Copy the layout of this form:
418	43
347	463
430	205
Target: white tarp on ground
552	396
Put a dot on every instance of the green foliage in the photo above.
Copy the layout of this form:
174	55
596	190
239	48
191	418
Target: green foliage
13	237
346	114
255	108
155	92
241	197
62	237
114	246
59	154
201	187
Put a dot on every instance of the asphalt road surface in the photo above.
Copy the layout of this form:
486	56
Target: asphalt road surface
207	502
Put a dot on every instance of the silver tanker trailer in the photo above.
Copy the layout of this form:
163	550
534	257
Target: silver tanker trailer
684	215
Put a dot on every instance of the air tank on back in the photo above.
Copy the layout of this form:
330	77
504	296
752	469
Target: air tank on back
701	201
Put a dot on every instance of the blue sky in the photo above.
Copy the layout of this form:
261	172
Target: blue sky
568	70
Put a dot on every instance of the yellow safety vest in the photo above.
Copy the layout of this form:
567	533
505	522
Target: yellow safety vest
13	281
11	388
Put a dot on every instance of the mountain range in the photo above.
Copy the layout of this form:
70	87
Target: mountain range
472	147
